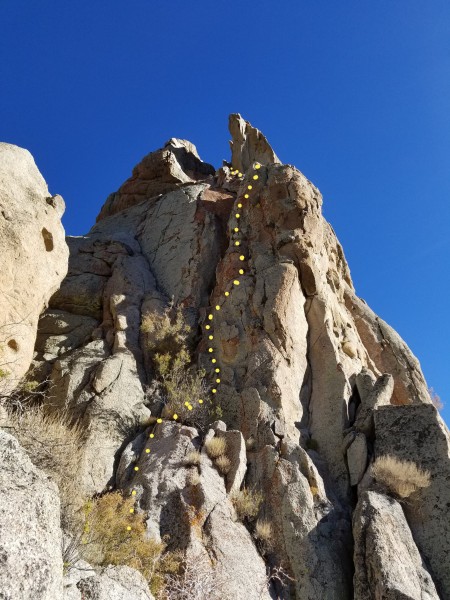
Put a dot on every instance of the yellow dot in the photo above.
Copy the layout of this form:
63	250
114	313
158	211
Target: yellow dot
249	187
237	215
210	337
217	307
239	205
131	510
236	282
236	243
227	293
159	420
189	407
200	401
246	196
257	166
236	229
214	360
242	257
128	528
136	468
210	349
175	416
217	370
241	271
207	326
133	493
147	451
152	435
255	177
240	174
217	380
186	403
210	317
214	390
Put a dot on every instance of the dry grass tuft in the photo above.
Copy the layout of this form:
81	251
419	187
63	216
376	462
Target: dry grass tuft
435	399
55	446
223	464
193	478
216	446
402	478
264	533
247	503
250	444
193	459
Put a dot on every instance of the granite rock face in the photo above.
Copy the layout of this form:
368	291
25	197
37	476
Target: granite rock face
31	564
33	257
313	385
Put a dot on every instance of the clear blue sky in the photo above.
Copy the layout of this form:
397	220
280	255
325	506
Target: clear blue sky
355	93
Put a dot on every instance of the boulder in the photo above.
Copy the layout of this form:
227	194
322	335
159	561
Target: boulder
418	434
33	253
387	562
31	564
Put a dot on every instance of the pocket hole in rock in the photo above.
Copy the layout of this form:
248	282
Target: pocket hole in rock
48	239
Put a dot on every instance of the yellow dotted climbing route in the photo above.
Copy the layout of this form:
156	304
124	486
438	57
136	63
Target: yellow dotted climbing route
235	282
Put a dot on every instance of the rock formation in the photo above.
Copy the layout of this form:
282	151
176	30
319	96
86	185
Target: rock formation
33	256
311	386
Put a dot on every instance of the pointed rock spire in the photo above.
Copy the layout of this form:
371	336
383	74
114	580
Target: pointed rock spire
248	144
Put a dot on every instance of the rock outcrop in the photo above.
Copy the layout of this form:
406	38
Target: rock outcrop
31	564
33	257
310	384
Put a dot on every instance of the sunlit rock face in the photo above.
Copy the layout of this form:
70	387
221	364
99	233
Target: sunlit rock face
313	385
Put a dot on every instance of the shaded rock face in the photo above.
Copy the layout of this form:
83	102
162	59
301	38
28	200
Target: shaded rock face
387	561
30	537
309	377
33	255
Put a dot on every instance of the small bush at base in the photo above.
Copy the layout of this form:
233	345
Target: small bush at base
247	503
113	535
400	477
216	446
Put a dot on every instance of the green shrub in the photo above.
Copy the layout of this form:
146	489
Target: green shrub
183	386
114	534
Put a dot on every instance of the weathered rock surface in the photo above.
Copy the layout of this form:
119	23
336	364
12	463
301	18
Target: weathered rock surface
190	504
114	583
33	256
30	536
387	562
309	379
418	434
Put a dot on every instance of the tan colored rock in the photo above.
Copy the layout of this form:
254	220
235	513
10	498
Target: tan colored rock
33	256
387	562
159	172
248	145
388	352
